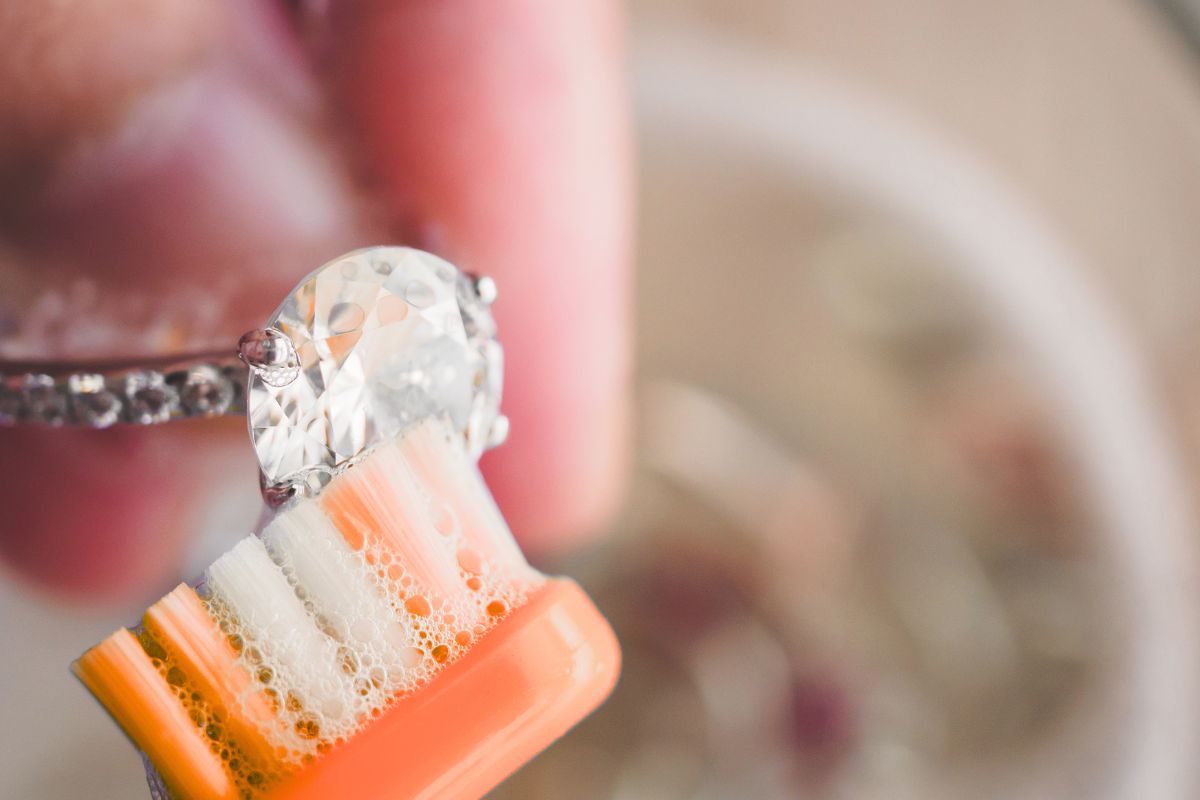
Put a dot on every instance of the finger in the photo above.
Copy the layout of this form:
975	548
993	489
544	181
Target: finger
69	68
103	512
499	129
170	210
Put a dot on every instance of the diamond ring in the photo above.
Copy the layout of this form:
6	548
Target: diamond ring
365	345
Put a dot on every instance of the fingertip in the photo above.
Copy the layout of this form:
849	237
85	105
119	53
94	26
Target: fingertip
503	128
561	482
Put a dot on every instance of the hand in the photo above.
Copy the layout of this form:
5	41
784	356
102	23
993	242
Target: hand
170	168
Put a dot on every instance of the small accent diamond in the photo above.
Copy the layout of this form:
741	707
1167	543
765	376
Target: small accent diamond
42	400
148	398
10	402
204	391
91	401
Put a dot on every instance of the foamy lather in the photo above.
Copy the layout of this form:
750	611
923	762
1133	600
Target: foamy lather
295	641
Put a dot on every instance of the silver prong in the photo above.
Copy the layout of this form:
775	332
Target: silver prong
276	495
270	355
498	434
485	287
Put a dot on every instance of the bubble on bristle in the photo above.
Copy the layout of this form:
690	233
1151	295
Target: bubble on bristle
445	521
153	649
307	727
418	605
470	560
249	776
362	629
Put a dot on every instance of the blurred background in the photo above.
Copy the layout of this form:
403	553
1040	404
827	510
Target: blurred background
913	507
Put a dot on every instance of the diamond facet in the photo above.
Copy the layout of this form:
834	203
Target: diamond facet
385	337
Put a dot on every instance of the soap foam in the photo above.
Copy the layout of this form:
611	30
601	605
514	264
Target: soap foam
250	772
351	600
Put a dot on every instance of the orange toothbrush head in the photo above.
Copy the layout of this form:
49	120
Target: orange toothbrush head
384	640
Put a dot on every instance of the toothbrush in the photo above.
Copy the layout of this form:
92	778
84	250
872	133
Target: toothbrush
383	640
383	636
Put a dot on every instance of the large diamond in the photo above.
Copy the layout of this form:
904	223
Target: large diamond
385	337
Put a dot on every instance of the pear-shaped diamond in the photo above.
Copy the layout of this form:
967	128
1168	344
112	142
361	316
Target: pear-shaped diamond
385	336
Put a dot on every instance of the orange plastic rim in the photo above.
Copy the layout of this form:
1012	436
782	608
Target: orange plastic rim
520	687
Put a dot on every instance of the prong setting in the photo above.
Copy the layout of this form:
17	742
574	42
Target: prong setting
485	288
498	433
271	355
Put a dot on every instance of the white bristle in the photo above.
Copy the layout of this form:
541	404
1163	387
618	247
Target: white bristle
279	633
390	493
452	481
344	593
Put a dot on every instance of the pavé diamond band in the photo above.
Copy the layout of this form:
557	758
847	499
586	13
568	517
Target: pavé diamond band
99	395
364	346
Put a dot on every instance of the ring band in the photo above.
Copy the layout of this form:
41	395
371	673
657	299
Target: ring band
99	395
